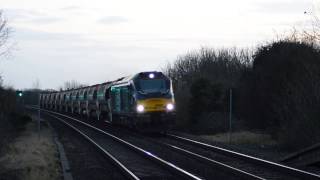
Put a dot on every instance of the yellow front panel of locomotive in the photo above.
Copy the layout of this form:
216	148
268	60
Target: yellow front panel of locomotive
154	104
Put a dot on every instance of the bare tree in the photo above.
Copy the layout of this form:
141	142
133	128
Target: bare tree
312	35
73	84
36	84
4	34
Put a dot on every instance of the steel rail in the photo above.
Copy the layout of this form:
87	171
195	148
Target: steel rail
276	166
204	159
218	164
129	174
175	169
300	153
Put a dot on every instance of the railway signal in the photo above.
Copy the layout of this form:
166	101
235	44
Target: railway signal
19	93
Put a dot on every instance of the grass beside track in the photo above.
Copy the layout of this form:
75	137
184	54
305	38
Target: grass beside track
29	157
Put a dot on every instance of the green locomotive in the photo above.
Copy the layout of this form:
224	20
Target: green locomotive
144	100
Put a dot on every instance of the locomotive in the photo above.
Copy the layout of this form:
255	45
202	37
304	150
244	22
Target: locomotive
144	100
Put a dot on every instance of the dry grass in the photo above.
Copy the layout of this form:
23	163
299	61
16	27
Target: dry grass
31	158
242	137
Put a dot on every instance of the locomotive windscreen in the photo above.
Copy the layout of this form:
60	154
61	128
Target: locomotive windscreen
152	85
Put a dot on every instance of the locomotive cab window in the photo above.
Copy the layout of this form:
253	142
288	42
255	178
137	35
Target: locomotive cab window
152	85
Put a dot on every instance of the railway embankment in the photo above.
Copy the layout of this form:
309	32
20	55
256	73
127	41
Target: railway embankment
26	155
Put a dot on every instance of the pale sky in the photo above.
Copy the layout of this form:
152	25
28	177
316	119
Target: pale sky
95	41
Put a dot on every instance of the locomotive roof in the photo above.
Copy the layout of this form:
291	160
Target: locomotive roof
121	80
126	79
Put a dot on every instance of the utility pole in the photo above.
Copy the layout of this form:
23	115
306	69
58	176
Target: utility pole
39	116
230	115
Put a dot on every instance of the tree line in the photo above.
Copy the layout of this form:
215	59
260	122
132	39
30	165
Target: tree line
275	89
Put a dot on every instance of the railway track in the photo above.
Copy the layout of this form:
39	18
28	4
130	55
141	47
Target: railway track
315	149
252	168
84	159
307	158
125	171
279	170
238	164
133	161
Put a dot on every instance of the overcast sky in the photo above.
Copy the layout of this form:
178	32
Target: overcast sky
94	41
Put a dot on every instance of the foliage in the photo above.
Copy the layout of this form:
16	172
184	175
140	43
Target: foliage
205	94
275	89
31	96
285	91
11	116
4	34
201	80
7	100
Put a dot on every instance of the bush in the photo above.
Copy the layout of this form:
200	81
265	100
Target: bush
19	121
285	92
205	97
278	91
201	82
11	120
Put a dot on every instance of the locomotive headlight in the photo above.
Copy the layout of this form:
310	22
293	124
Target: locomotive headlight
170	107
140	108
151	76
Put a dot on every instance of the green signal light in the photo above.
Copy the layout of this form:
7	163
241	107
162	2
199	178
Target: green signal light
19	93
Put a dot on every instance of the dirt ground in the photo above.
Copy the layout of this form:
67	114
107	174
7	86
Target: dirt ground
29	157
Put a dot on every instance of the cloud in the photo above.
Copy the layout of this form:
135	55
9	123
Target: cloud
113	20
46	20
32	16
25	34
71	8
22	13
281	7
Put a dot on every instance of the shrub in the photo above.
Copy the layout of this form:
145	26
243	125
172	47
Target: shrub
201	80
285	91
